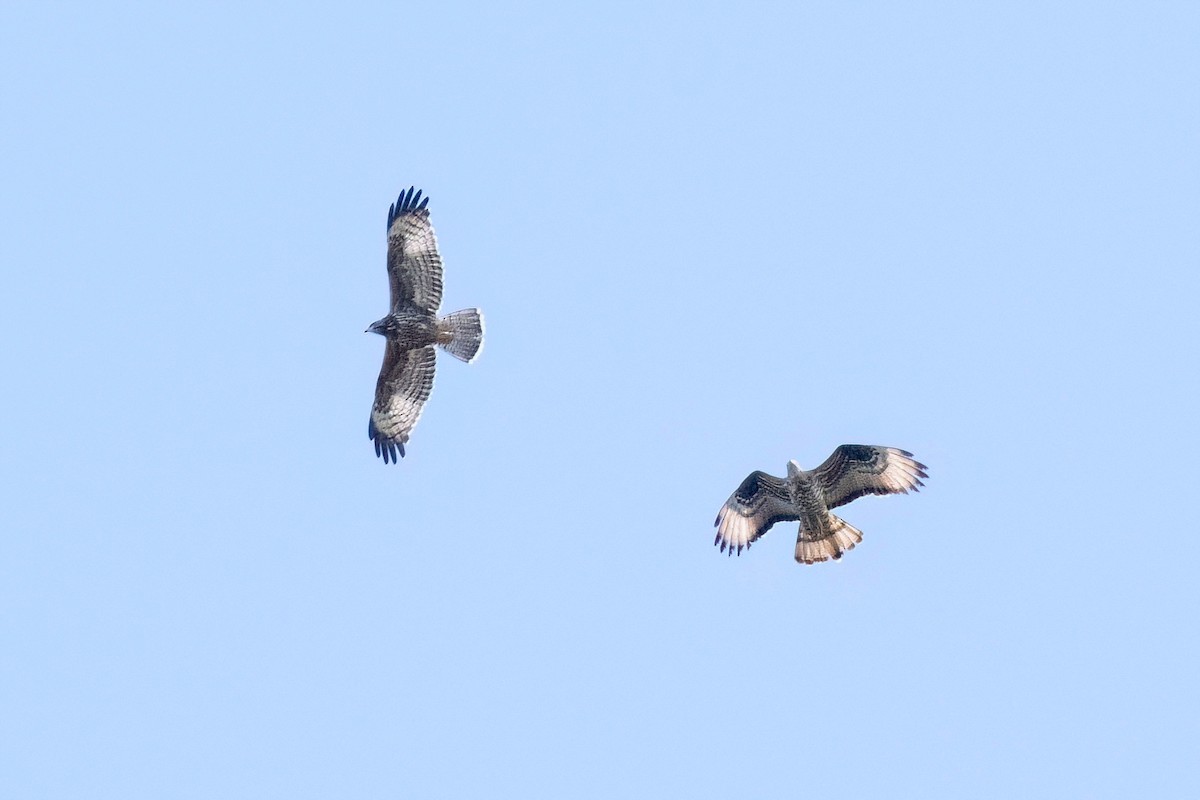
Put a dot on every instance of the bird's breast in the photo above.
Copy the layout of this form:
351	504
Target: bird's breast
806	494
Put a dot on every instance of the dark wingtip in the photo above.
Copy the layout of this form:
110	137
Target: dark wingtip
385	448
409	201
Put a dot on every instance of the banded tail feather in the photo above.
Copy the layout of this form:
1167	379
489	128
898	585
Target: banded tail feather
841	539
461	334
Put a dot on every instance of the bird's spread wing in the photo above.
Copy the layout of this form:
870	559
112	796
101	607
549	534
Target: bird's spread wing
760	502
403	387
857	469
413	263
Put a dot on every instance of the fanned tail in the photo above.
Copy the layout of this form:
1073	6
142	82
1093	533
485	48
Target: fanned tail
841	537
461	333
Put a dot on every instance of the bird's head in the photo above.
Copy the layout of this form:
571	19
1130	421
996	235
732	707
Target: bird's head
379	326
793	469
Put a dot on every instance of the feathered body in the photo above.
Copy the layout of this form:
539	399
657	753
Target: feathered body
413	328
806	496
409	330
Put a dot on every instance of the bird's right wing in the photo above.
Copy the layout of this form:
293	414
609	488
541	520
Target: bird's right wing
414	264
760	502
857	469
404	384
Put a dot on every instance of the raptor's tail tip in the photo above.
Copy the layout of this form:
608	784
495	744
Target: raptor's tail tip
842	538
461	334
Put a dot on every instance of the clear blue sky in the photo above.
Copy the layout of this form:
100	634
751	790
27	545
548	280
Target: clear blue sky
707	238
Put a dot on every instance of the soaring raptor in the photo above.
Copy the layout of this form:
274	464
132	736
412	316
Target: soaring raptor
806	496
413	328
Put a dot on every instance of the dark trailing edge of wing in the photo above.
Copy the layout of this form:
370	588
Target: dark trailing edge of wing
385	448
406	203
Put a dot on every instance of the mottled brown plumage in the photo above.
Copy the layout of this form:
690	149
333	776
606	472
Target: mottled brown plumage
412	327
806	497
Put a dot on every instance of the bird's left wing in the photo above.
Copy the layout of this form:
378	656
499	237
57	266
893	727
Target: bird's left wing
857	469
414	264
400	394
760	502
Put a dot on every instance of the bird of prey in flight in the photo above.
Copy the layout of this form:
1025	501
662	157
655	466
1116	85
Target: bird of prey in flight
805	496
412	327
